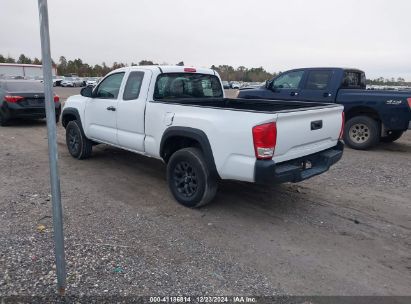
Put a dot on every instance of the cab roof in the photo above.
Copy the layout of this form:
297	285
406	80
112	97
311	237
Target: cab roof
159	69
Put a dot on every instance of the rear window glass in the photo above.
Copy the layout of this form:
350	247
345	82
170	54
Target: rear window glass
24	86
187	85
354	80
318	80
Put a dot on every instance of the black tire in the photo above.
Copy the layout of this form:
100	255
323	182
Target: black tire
78	144
189	178
361	132
391	136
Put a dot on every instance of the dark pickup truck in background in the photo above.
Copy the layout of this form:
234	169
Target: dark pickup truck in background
371	116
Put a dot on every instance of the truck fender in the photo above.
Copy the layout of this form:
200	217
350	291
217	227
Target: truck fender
70	114
196	135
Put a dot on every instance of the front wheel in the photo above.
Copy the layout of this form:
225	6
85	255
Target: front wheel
391	136
78	144
361	132
189	178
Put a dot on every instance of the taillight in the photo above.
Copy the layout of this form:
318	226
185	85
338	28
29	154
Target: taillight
56	98
190	70
342	125
265	139
409	102
13	99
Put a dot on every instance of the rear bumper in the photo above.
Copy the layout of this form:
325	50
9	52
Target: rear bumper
268	172
17	111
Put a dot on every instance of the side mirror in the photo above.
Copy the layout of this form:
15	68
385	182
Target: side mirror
267	84
87	92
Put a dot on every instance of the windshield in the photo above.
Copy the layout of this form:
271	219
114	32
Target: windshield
187	85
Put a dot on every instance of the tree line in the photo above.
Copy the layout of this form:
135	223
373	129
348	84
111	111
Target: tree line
227	72
388	81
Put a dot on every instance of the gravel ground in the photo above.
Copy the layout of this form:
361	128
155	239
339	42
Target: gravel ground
346	232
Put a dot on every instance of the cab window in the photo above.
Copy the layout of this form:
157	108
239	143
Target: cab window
133	85
289	80
110	86
318	80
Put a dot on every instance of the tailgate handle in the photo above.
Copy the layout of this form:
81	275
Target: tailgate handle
315	125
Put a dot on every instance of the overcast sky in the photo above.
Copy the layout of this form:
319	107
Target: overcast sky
373	35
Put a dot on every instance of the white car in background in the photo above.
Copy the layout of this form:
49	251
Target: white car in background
235	85
92	81
57	81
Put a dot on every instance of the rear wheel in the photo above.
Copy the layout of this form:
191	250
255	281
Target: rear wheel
361	132
391	136
189	178
78	144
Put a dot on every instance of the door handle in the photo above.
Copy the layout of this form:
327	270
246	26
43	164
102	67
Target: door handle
315	125
111	108
294	93
326	94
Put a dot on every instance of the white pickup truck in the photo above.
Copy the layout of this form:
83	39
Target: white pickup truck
181	116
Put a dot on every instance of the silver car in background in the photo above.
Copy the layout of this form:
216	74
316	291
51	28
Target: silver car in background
72	82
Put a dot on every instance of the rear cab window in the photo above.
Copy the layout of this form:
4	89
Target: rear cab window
187	86
353	80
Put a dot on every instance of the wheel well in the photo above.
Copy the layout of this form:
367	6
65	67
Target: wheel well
67	118
175	143
356	111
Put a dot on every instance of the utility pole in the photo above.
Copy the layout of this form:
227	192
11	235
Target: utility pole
52	145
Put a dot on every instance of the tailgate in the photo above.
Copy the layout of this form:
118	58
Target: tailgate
304	132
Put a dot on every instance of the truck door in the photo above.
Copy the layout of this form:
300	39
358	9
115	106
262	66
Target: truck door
286	86
317	86
131	109
100	113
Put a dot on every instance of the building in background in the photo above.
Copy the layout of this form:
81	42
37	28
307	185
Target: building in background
28	71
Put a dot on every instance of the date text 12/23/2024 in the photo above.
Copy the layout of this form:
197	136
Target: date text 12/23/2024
203	299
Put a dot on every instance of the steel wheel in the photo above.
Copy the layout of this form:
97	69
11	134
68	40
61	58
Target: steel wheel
185	179
359	133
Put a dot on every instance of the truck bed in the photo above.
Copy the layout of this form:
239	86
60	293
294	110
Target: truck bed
303	128
252	105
